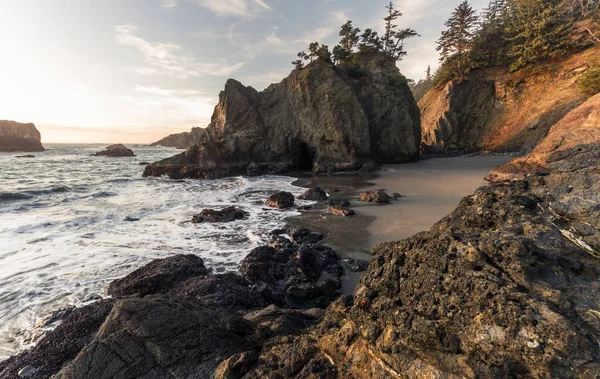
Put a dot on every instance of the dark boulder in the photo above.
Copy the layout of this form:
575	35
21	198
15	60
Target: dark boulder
355	265
228	214
163	337
303	236
117	150
158	276
314	194
229	291
378	196
281	200
59	346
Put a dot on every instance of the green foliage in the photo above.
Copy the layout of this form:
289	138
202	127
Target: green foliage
393	40
445	73
590	82
423	86
538	30
368	42
458	38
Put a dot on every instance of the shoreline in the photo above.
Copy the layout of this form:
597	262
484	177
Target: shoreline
421	206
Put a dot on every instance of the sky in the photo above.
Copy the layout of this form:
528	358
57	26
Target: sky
135	71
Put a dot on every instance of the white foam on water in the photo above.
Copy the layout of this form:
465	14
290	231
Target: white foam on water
64	233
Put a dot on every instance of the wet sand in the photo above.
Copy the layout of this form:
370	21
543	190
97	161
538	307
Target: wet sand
430	190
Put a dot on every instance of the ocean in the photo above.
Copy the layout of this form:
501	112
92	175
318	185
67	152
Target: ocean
70	223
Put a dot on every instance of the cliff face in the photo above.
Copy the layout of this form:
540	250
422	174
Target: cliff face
581	126
15	136
183	140
498	111
320	118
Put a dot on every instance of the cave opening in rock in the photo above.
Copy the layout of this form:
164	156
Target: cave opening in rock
306	157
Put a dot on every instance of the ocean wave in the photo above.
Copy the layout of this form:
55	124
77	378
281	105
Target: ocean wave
13	196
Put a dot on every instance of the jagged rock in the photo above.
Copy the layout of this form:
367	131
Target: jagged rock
341	210
314	194
15	136
321	118
281	200
303	236
308	276
117	150
183	140
160	336
502	287
379	197
228	214
229	291
59	346
355	265
159	276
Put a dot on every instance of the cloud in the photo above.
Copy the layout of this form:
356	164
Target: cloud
174	107
322	33
264	79
169	3
168	58
235	8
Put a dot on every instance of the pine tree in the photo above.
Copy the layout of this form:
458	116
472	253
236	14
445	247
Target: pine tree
370	41
458	38
538	30
490	45
350	36
340	54
302	56
428	73
313	51
393	39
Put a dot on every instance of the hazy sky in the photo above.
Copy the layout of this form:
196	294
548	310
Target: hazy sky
137	70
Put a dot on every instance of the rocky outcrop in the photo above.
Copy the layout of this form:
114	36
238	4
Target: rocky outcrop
377	196
580	126
117	150
322	118
280	200
183	140
228	214
494	110
505	286
314	194
15	136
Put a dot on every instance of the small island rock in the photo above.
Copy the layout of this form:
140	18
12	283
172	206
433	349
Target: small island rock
117	150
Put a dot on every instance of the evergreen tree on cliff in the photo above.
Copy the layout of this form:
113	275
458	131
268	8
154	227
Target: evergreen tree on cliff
538	30
490	45
394	38
458	39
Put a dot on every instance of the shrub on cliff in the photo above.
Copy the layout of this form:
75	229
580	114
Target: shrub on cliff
590	82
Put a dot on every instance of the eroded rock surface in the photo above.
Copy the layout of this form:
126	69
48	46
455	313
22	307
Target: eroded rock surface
322	118
183	140
15	136
378	197
314	194
281	200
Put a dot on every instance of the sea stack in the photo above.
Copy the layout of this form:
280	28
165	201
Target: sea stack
117	150
15	136
322	118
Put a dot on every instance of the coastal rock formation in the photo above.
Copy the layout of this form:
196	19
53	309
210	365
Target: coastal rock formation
183	140
494	110
378	196
505	286
281	200
321	118
228	214
117	150
314	194
580	126
15	136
